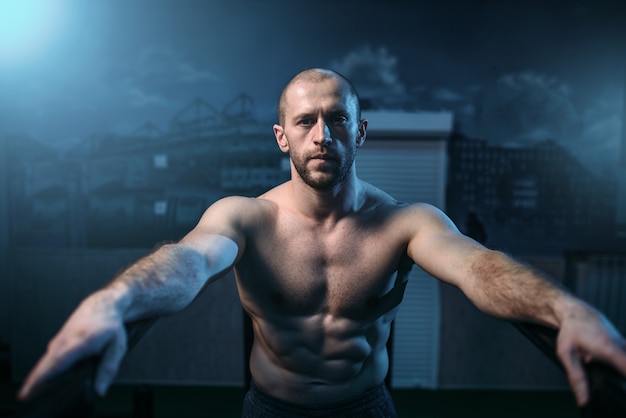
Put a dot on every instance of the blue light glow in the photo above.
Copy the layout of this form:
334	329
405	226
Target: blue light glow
27	27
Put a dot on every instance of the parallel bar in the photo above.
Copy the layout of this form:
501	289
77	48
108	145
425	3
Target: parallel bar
607	386
71	394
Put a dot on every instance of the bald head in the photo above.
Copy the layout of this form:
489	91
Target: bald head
316	75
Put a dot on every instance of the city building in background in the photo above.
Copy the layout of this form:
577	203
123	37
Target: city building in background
531	200
135	190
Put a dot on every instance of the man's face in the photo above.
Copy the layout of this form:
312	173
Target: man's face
321	132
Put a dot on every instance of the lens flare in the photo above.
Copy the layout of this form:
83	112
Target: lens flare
27	27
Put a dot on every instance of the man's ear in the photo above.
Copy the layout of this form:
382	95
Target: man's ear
362	130
281	139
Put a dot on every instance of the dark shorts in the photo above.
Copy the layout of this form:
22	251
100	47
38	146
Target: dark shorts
375	403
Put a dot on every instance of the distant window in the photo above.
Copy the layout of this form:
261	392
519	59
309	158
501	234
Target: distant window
160	207
160	161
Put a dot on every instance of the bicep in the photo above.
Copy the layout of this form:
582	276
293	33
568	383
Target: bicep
438	247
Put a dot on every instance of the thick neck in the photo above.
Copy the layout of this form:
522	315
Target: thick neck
327	205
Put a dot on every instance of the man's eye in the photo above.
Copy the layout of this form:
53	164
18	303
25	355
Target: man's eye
306	122
339	119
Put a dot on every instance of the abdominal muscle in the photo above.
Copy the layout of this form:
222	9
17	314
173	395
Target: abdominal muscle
319	359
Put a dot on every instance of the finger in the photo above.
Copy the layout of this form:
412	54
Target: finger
613	353
45	369
57	359
576	376
34	380
110	363
620	348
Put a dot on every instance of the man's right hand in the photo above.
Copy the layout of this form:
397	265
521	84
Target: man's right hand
95	328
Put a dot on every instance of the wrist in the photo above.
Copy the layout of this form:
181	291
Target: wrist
116	298
568	307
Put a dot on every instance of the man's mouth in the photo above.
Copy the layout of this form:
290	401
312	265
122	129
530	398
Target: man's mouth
322	157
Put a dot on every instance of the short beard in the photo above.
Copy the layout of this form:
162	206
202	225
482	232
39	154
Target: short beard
339	173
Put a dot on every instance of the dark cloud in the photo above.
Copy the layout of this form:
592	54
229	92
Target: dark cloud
374	72
162	66
528	107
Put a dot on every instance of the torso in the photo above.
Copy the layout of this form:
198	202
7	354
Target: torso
322	297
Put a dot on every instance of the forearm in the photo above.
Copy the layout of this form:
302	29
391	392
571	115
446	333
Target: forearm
161	283
503	287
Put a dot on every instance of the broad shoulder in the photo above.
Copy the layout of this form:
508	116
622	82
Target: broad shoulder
236	212
233	217
416	213
422	218
241	214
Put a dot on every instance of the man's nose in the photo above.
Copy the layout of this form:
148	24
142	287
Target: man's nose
322	133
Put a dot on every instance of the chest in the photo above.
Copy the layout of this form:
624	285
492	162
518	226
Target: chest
347	269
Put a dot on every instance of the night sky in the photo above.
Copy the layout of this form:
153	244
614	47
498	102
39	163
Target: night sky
511	71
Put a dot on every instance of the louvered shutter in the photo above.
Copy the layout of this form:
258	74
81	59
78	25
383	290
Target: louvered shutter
411	170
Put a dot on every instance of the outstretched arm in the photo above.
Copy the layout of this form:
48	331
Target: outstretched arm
161	283
503	287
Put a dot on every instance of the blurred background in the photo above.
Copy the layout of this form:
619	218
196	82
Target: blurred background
120	122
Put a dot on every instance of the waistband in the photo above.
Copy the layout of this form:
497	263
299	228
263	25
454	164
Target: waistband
375	398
